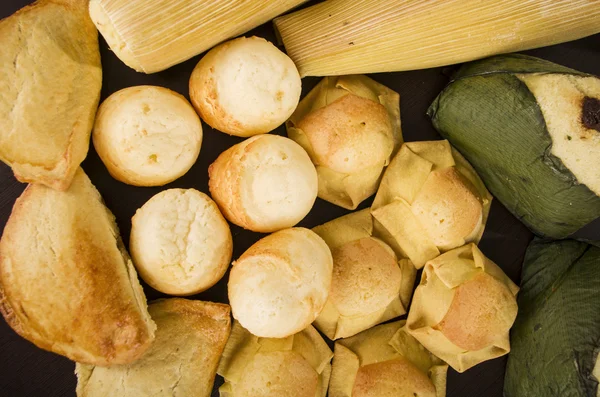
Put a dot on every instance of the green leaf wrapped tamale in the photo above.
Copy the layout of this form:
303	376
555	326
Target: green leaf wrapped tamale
556	337
531	129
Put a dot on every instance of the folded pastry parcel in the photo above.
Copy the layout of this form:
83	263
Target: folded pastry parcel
296	366
386	361
350	127
50	82
182	361
463	308
67	283
430	200
370	283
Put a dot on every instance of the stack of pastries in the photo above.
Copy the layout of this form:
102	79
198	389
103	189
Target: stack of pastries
345	277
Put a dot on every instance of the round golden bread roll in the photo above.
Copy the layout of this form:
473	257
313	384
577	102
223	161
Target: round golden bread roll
366	277
281	283
245	87
180	243
265	183
147	135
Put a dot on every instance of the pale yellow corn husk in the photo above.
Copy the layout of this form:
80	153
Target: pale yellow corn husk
347	230
152	35
340	37
242	348
384	344
440	284
395	211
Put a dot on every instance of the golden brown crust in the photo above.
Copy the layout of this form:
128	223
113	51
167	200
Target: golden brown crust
190	338
473	321
224	183
204	96
68	242
392	378
349	134
60	34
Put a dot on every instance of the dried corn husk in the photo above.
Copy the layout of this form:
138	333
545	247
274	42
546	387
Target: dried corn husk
351	235
430	200
345	114
152	35
386	360
463	308
339	37
244	352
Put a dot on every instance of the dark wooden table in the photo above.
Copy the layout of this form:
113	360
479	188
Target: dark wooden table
28	371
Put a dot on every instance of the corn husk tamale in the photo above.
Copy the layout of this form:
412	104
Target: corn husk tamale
370	283
430	200
339	37
556	338
350	127
386	361
531	129
296	366
152	35
463	308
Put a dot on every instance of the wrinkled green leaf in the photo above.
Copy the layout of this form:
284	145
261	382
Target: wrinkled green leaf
493	119
556	337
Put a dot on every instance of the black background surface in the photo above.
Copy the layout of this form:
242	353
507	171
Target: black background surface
28	371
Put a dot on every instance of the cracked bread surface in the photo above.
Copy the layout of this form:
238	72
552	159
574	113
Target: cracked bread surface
180	243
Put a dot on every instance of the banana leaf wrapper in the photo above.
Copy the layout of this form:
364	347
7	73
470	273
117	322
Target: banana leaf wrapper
346	189
415	172
244	349
531	129
463	308
344	232
556	337
385	359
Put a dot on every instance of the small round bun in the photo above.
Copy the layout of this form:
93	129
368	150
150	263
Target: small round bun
245	87
264	184
366	277
277	374
147	136
180	243
350	134
280	284
448	208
